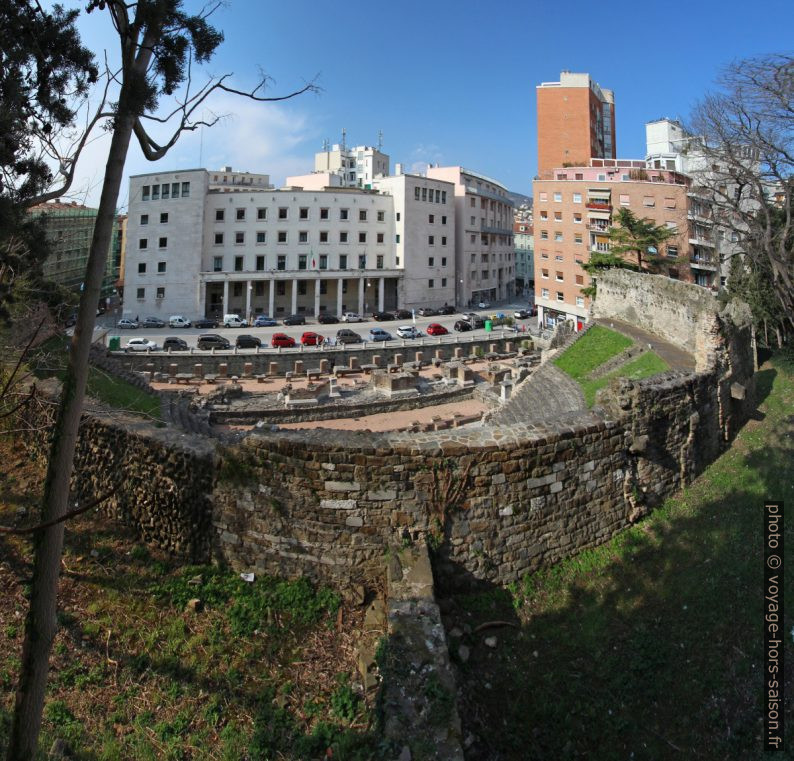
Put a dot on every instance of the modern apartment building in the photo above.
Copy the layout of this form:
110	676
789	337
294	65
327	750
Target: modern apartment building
523	235
576	122
574	207
70	228
354	167
484	255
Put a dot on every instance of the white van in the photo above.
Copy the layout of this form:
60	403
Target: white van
177	321
234	321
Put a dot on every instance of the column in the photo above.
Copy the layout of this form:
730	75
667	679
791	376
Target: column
225	309
381	291
248	287
271	294
361	285
317	297
294	296
339	283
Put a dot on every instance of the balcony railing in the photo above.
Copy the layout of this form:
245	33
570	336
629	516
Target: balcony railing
600	205
598	228
703	263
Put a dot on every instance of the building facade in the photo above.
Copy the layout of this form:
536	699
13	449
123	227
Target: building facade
574	209
576	122
523	235
484	254
353	167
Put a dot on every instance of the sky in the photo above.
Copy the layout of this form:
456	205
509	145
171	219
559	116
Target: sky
450	83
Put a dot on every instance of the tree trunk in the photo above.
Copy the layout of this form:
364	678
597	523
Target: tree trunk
766	335
41	623
779	337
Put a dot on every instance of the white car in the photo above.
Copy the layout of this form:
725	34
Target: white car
408	331
141	344
352	317
483	305
234	321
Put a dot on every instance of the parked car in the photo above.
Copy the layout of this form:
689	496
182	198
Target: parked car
177	321
483	305
282	340
324	318
462	326
234	321
434	329
379	334
352	317
446	309
475	320
126	324
310	338
294	319
408	331
212	341
263	321
206	323
403	314
152	322
172	343
427	312
382	316
246	341
347	336
140	344
522	314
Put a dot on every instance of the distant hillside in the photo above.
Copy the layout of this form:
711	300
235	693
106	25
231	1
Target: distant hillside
519	198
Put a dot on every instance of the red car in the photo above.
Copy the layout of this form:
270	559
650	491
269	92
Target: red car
434	329
282	339
311	339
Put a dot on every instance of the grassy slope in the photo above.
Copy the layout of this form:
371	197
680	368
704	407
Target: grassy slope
649	646
593	349
644	366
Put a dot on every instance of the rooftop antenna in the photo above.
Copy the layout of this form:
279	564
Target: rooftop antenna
380	139
344	134
325	145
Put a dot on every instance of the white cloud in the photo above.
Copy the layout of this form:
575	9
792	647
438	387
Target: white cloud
422	156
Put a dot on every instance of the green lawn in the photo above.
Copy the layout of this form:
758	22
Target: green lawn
117	393
648	647
594	348
644	366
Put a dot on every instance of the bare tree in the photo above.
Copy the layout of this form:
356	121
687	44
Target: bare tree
745	135
159	45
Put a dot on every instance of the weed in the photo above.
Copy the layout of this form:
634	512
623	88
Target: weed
345	703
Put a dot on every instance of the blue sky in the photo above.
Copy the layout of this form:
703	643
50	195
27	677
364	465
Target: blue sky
449	82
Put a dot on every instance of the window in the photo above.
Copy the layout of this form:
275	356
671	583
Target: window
141	268
443	200
217	264
362	261
323	236
577	219
218	239
416	193
162	242
281	287
303	236
443	261
443	240
580	301
281	262
558	276
303	213
144	219
161	267
560	296
323	213
381	216
544	274
398	216
141	293
443	282
145	197
648	201
240	214
261	213
261	237
219	215
155	192
472	222
544	235
424	194
474	202
164	218
323	286
544	215
143	243
672	251
397	238
283	211
238	263
577	238
624	199
544	292
558	197
438	196
362	215
669	203
302	262
343	214
671	225
558	216
239	238
379	261
431	218
579	280
175	190
577	197
323	261
431	239
380	238
260	263
282	236
430	261
558	236
342	261
160	294
362	237
343	237
185	190
430	283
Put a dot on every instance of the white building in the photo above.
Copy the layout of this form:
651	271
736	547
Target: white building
484	254
355	167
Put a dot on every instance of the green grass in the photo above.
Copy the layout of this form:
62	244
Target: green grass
649	646
117	393
644	366
594	348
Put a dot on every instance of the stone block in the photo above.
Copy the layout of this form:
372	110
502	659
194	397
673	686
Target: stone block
298	367
458	352
342	486
173	369
272	368
338	504
325	366
556	487
223	370
499	478
248	368
398	359
198	370
353	363
506	511
382	495
354	521
376	359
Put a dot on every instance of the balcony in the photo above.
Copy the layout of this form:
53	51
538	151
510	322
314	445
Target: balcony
601	248
703	263
599	205
701	241
598	228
